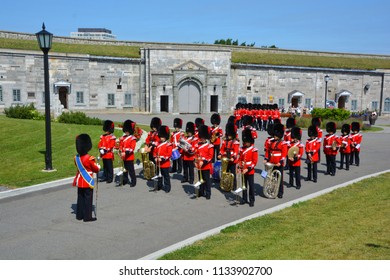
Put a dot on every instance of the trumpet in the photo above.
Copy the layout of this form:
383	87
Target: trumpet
199	174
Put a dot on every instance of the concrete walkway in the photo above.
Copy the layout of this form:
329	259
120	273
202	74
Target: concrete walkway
133	223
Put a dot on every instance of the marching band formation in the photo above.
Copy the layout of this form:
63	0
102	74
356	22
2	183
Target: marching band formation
203	154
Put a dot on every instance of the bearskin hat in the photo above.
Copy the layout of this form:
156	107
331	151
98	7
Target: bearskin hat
346	128
163	132
83	144
155	123
215	119
270	129
331	127
177	123
199	122
247	136
190	128
230	130
204	131
247	120
316	121
108	126
231	119
290	122
129	126
278	130
355	126
312	131
296	133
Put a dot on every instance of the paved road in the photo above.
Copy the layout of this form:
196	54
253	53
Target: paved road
133	222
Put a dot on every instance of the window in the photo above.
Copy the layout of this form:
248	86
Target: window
374	105
353	105
307	102
242	99
281	102
16	95
387	105
30	95
256	100
128	99
111	99
79	97
1	94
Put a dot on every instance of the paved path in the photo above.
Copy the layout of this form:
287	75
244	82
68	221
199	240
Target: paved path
133	222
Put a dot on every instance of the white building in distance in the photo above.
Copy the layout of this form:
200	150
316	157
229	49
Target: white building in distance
93	33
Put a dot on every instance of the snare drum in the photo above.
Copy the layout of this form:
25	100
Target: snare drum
175	154
217	170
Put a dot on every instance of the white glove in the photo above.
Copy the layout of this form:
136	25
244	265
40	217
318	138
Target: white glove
101	151
98	165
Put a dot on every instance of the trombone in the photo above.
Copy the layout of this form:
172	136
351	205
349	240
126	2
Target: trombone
240	169
199	175
156	178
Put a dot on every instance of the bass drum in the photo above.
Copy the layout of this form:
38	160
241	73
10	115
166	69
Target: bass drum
217	170
175	154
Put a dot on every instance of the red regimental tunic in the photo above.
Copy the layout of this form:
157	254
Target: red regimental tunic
277	152
356	140
218	132
230	149
204	152
313	148
127	146
152	139
164	152
287	138
328	141
248	159
190	154
89	165
175	139
107	142
299	155
345	147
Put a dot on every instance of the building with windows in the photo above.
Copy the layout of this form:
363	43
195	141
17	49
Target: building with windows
93	33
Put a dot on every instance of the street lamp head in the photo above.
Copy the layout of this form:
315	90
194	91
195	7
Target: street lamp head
327	78
44	39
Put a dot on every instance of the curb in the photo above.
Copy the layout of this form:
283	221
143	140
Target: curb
189	241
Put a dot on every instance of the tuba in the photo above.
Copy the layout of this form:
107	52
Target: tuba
148	166
227	178
184	144
271	181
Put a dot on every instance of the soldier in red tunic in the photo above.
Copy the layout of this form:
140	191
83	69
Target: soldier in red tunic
331	146
204	155
152	140
248	155
356	140
162	154
247	122
177	164
84	181
294	163
216	134
312	149
106	146
127	146
189	154
277	153
345	147
316	122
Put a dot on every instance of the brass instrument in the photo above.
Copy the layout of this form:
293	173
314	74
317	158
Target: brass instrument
137	132
334	145
227	178
271	181
184	144
293	151
200	178
156	178
214	137
240	169
148	166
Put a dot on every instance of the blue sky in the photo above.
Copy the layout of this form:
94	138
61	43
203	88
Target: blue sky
337	26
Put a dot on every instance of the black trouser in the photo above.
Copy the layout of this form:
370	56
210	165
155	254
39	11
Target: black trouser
343	157
216	153
265	125
295	171
355	154
205	188
177	165
188	168
129	166
250	186
331	164
312	170
84	204
166	185
108	169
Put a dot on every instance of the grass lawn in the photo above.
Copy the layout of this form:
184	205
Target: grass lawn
23	144
352	223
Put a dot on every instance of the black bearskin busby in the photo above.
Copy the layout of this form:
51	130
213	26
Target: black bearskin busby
129	126
316	121
231	119
204	131
346	128
155	123
199	122
247	120
270	130
108	126
277	121
230	130
83	144
247	136
290	122
355	126
177	123
296	133
331	127
190	128
215	119
312	131
279	130
163	132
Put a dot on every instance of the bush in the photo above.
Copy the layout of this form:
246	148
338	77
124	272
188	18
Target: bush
24	112
331	114
78	118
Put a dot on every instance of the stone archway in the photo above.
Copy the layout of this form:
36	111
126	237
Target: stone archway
189	98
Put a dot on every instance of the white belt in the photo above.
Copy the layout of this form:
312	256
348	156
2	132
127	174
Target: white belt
248	162
276	154
328	146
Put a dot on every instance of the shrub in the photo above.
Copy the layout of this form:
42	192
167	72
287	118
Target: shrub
78	118
331	114
24	112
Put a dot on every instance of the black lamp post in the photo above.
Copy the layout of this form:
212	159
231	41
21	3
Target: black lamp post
326	78
45	39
